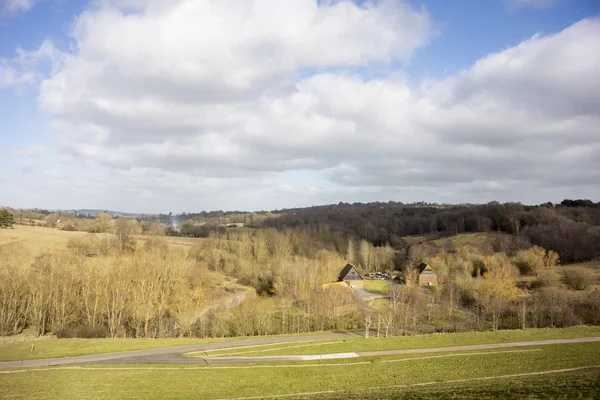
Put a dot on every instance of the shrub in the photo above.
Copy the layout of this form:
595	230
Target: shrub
83	331
82	246
479	268
576	279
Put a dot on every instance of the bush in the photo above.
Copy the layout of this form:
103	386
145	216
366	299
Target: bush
83	331
82	246
479	268
576	279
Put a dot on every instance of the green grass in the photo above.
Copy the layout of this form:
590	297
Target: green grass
225	382
583	384
379	304
358	344
376	286
53	348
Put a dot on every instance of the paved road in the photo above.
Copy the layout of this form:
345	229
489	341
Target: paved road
168	355
172	355
479	346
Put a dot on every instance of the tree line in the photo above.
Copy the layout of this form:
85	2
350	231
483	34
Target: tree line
119	284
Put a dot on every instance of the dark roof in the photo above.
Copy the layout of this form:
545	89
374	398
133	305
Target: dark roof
347	270
421	267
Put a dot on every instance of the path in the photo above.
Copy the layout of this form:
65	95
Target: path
229	302
168	355
172	355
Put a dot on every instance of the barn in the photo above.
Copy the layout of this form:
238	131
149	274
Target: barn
351	277
426	275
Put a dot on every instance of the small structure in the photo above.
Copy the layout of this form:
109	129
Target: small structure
426	275
351	277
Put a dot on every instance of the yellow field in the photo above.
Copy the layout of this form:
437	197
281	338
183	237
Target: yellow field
37	238
461	239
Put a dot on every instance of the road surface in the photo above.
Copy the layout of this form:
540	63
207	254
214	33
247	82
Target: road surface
172	355
168	355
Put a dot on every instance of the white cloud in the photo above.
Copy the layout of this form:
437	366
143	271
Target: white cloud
13	6
35	150
27	67
10	77
193	99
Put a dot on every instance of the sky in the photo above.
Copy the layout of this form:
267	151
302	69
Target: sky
188	105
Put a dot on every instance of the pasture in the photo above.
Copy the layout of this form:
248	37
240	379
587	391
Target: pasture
359	344
571	369
37	239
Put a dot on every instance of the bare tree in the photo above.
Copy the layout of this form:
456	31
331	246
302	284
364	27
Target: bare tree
367	322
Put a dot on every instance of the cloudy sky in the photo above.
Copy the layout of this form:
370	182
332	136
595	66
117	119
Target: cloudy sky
189	105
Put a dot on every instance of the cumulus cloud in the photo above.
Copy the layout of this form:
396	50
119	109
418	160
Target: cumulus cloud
28	67
220	94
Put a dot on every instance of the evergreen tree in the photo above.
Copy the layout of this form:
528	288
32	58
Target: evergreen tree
6	218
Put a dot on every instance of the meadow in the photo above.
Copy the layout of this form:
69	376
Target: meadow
36	239
359	344
19	348
483	374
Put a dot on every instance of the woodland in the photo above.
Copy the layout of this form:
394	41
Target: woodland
220	274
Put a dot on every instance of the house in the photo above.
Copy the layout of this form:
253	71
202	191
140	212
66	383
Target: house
351	277
426	275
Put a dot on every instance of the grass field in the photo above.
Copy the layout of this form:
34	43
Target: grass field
361	380
357	344
52	348
462	239
579	384
37	238
377	286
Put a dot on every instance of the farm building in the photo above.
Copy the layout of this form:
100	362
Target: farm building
351	277
426	275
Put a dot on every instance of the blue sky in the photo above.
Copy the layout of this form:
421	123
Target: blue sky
74	122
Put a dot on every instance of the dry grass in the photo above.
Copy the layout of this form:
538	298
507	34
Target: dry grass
37	239
475	239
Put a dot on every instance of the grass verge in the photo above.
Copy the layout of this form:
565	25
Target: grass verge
357	344
377	286
53	348
226	383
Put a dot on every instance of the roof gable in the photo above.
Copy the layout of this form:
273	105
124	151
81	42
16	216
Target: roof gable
350	273
424	268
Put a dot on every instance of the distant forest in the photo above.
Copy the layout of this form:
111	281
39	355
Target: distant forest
572	228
